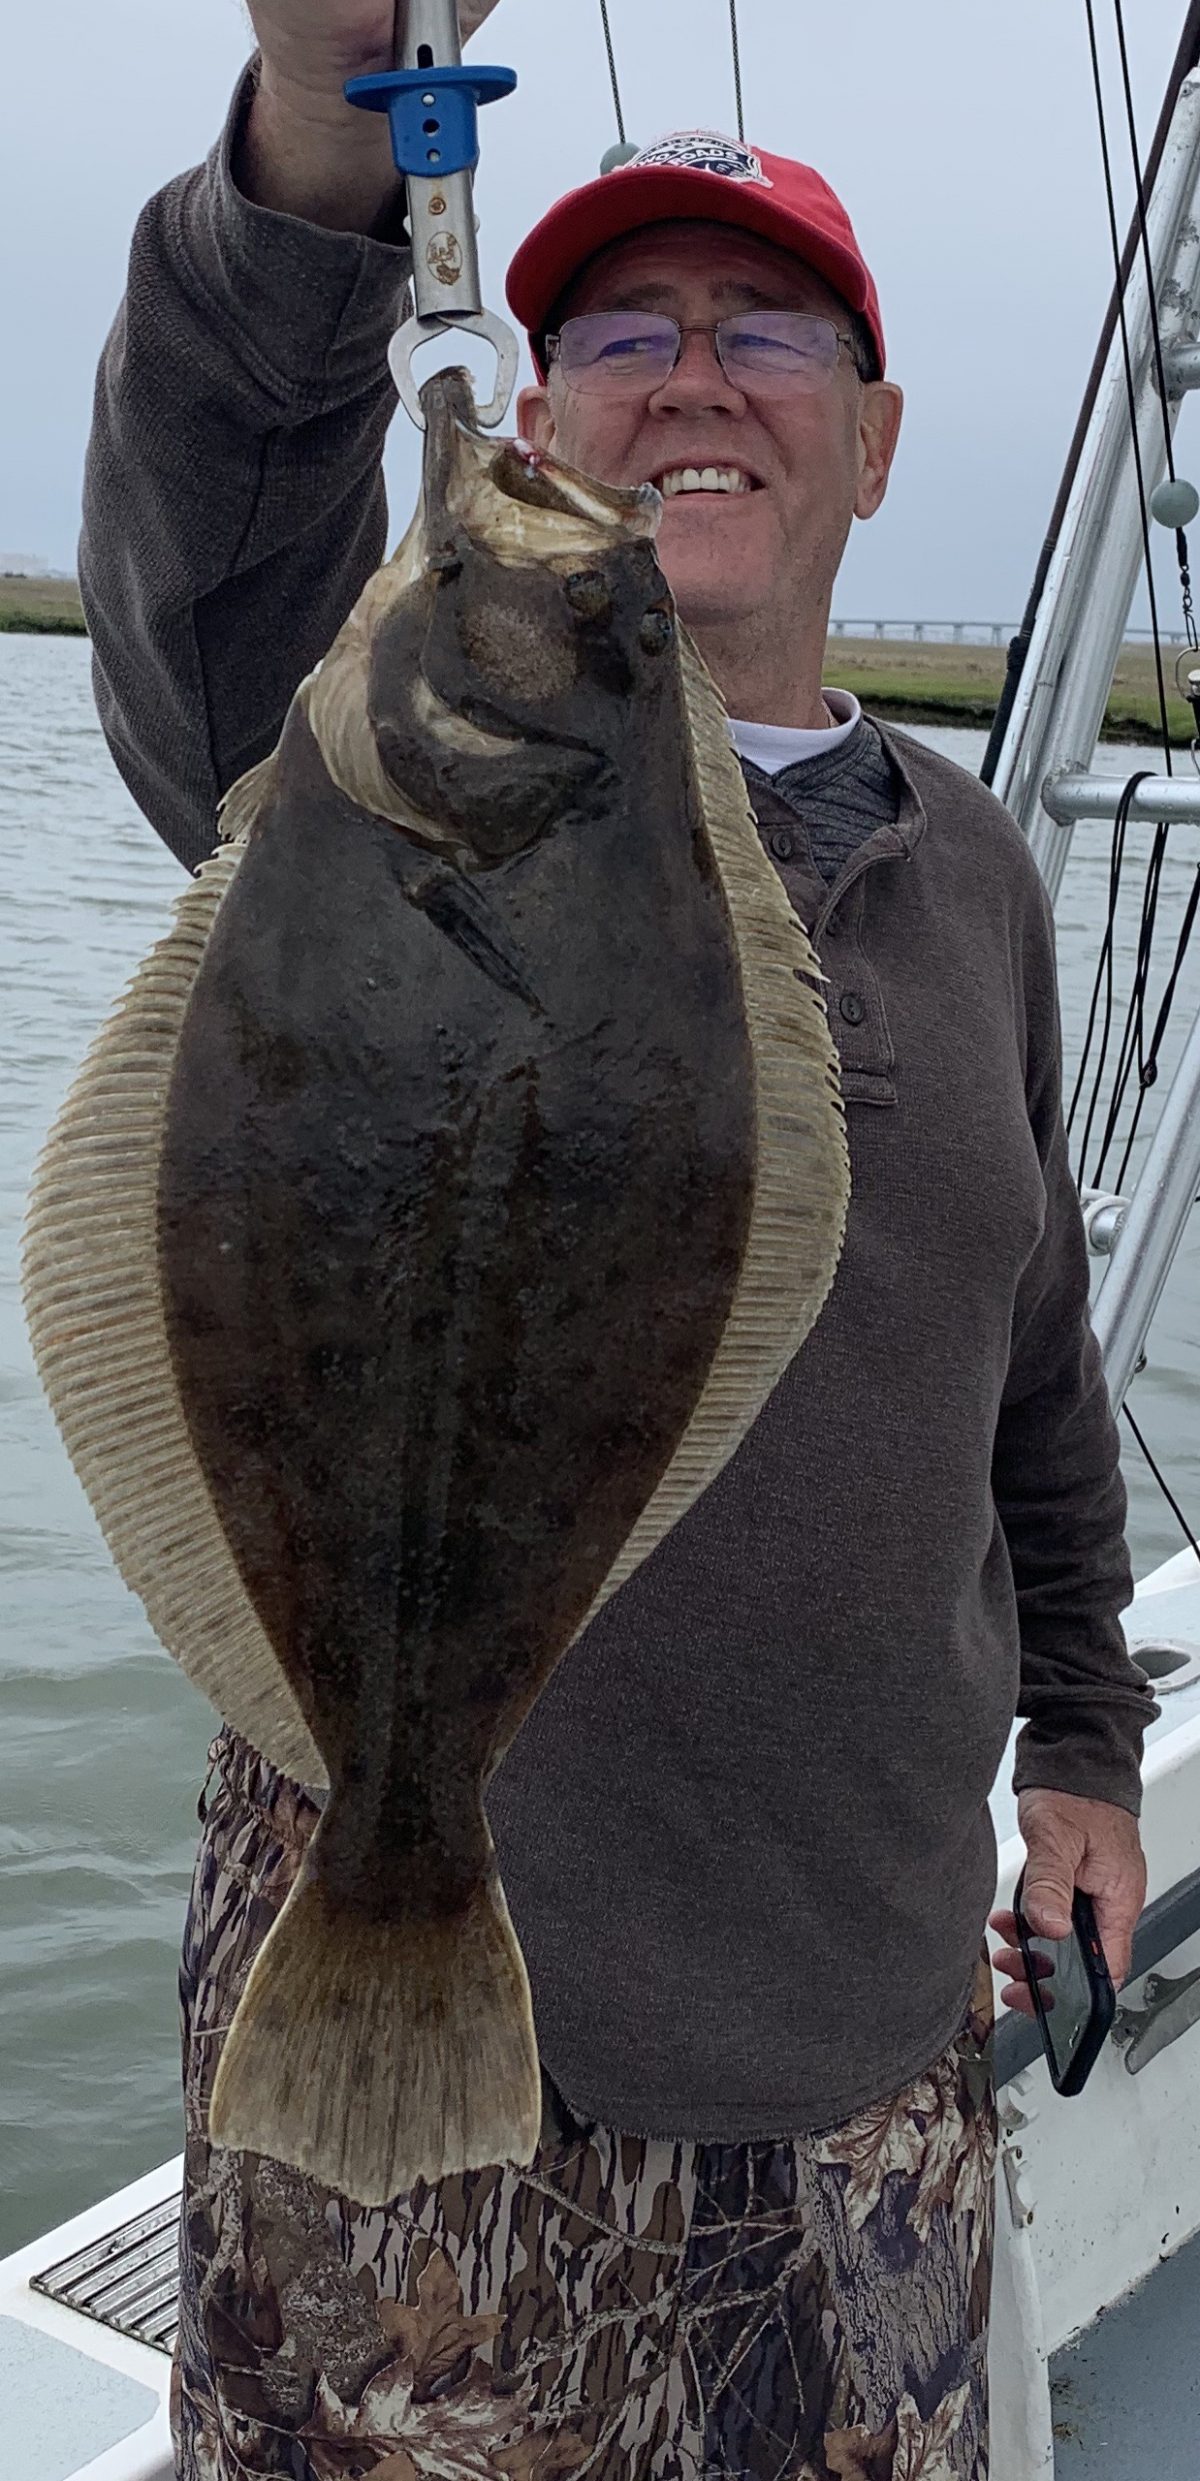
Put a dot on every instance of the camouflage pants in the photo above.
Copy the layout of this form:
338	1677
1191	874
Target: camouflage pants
630	2308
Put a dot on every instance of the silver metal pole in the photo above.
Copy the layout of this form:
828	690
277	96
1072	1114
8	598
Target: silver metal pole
1183	369
1175	799
441	214
1154	1225
1060	704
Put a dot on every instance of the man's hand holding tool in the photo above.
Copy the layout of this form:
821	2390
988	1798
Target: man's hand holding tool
304	150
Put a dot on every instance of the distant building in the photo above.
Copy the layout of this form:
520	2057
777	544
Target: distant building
23	564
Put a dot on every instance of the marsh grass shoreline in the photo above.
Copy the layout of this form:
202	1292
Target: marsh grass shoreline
910	682
962	684
41	607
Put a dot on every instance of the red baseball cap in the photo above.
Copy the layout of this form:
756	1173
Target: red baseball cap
698	174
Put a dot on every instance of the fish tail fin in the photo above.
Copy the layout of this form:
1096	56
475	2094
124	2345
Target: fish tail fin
374	2053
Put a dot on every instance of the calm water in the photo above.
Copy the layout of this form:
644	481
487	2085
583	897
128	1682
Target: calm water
102	1741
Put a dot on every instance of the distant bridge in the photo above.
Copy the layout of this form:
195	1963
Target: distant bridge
951	632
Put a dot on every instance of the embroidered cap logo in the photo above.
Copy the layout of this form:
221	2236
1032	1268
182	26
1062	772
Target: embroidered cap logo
703	150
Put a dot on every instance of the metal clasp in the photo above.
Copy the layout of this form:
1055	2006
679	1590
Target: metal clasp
485	323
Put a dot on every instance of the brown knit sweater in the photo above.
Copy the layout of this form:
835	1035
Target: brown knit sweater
744	1833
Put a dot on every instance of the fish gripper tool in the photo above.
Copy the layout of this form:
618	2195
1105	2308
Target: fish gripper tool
432	103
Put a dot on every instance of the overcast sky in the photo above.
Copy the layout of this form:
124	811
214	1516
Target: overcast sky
961	134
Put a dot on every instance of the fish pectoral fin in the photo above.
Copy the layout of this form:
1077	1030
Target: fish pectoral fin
463	915
373	2053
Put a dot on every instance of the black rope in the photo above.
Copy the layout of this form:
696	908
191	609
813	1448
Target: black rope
1168	1495
1133	1043
737	70
1148	1068
1104	975
612	70
1148	1062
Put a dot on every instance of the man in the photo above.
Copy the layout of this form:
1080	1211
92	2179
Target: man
744	1833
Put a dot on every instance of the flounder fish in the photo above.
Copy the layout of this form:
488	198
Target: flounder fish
424	1231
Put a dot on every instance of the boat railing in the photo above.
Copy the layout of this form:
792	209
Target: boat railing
1044	769
1084	616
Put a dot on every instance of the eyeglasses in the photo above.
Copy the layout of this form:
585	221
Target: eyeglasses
763	352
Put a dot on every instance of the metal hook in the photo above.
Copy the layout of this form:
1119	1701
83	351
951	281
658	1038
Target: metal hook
418	331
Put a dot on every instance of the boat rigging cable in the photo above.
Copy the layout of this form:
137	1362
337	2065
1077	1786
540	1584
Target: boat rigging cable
735	39
612	70
1187	58
1133	1038
737	70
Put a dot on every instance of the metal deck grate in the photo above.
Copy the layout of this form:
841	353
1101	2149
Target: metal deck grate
129	2280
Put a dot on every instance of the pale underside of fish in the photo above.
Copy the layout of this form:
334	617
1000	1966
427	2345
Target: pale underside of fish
426	1228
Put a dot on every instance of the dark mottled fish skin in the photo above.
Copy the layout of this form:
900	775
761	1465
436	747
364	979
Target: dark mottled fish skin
424	1230
454	1192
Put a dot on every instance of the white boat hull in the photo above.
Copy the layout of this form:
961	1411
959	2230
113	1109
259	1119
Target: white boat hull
1096	2192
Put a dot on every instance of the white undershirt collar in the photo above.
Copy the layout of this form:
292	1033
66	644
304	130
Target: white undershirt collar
775	746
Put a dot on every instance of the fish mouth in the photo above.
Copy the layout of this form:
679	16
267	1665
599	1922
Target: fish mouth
427	671
515	499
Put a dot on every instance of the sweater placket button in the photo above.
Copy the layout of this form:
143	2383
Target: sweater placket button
783	845
852	1008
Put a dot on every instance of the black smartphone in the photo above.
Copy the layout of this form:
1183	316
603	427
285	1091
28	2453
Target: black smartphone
1072	1992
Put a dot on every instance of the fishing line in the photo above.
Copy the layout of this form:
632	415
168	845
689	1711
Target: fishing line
612	70
737	70
1167	1493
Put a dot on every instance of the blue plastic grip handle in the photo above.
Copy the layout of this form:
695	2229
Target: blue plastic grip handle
433	114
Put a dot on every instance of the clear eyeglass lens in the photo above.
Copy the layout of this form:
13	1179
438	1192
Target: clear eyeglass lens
776	351
631	352
623	352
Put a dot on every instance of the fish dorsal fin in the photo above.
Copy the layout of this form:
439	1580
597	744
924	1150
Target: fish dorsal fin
802	1190
94	1308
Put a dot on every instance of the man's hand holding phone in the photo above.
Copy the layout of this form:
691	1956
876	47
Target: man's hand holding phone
1079	1899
